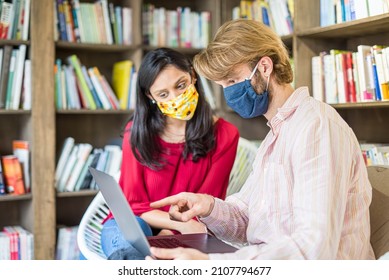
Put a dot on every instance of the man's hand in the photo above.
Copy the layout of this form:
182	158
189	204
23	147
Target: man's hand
185	206
177	254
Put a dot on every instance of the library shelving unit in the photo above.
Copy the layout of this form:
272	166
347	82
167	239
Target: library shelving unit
44	210
367	119
96	127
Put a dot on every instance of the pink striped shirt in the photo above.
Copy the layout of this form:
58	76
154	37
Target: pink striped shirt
308	196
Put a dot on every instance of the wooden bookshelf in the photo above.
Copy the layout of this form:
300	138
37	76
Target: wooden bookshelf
367	119
46	128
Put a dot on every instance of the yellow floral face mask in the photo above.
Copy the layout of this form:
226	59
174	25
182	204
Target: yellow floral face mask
183	106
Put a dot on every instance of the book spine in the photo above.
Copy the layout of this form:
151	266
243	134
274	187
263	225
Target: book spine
88	95
8	101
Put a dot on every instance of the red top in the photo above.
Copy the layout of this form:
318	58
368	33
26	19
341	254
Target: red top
209	175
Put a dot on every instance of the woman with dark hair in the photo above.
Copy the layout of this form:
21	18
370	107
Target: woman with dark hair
173	143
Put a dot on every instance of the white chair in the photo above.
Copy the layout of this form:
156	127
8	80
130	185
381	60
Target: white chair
88	235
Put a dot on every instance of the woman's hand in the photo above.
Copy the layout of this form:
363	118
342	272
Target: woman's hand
165	232
192	226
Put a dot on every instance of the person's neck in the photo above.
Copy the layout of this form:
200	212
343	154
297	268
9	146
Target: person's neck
279	95
175	125
174	131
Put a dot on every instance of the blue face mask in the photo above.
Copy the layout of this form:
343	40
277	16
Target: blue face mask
243	99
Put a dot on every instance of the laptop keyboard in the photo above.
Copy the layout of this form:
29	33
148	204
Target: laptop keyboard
166	243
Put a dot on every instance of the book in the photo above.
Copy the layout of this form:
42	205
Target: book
8	99
67	171
365	82
99	89
84	172
13	242
13	175
17	81
64	155
121	81
5	67
27	97
5	19
2	183
88	177
107	25
108	91
82	156
92	89
26	19
21	150
5	250
87	95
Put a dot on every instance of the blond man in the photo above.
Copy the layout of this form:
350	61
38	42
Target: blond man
308	196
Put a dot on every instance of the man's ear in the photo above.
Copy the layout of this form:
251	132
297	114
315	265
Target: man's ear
265	66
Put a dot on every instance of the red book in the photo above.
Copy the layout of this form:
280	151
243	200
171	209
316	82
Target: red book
350	77
13	175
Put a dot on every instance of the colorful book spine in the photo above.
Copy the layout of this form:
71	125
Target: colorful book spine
13	175
73	60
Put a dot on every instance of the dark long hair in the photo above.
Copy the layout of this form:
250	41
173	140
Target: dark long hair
149	122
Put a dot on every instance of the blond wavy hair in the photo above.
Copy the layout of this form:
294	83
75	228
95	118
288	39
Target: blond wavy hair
243	41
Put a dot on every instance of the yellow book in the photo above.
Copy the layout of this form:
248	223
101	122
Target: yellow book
121	81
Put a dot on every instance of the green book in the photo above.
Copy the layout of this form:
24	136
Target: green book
88	97
8	101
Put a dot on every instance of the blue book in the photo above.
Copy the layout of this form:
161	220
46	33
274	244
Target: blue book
265	16
61	21
2	185
58	91
376	82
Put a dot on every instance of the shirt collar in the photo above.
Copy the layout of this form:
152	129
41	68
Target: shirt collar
287	109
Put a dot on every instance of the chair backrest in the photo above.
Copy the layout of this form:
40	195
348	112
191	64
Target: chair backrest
89	231
242	167
379	209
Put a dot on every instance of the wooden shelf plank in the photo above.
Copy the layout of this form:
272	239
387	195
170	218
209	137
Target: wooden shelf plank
91	112
14	42
361	105
77	194
182	50
14	112
95	47
356	28
10	197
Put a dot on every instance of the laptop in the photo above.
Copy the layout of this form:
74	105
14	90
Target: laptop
132	231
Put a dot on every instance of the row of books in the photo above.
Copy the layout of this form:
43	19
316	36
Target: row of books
338	11
181	27
375	153
67	247
340	76
72	172
14	19
16	243
277	14
97	22
77	86
15	78
15	170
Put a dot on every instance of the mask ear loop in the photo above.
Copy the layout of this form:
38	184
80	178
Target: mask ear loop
267	83
252	73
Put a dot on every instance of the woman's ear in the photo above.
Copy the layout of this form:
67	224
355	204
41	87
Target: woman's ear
152	100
